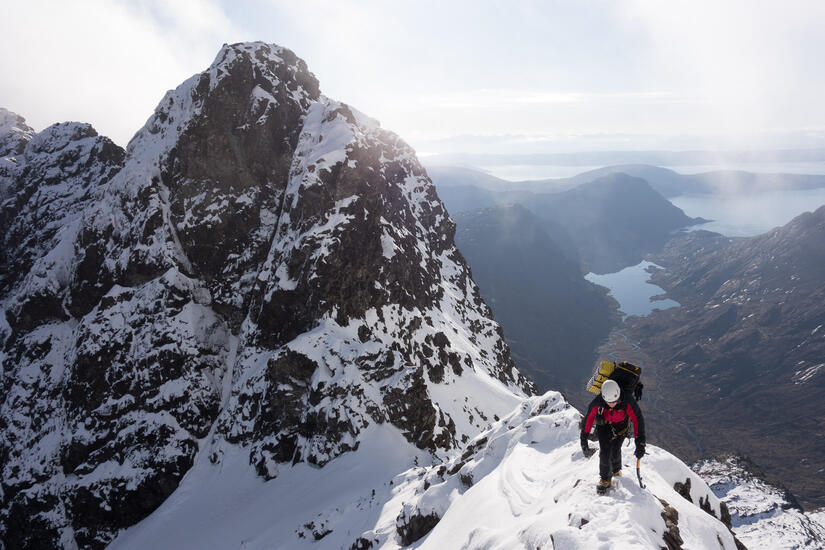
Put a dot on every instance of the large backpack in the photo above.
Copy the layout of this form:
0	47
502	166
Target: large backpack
624	373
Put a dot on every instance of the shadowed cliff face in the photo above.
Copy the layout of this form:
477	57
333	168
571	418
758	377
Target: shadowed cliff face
263	266
552	317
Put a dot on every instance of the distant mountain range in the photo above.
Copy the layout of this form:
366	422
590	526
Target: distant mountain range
453	180
728	182
607	223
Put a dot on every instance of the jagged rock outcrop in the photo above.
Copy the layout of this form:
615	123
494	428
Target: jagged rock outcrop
263	268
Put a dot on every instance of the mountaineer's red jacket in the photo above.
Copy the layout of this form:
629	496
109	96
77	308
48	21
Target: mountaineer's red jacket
626	409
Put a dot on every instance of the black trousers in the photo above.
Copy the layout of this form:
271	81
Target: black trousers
610	451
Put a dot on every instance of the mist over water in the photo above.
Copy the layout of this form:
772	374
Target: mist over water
750	214
809	168
734	215
522	172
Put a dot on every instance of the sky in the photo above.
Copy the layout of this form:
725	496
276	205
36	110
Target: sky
460	76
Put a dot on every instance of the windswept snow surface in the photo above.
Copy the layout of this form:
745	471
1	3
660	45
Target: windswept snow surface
524	483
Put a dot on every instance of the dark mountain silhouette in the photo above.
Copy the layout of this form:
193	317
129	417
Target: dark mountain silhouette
608	224
672	184
554	318
614	220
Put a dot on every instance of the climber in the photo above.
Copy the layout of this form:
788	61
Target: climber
611	412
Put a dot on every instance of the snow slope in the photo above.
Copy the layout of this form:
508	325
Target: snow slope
523	483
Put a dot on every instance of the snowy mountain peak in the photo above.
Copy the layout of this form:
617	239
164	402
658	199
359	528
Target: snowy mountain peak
266	274
244	86
14	133
57	136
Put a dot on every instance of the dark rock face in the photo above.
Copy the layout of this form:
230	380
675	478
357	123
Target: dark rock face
262	267
237	156
672	538
704	502
740	363
415	527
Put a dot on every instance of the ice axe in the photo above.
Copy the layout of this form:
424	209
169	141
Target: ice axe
638	473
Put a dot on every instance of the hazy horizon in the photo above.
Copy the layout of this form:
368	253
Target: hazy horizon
481	77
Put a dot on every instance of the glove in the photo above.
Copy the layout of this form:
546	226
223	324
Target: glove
586	450
640	450
637	393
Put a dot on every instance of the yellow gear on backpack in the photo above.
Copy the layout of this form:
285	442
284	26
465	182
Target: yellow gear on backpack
606	368
624	373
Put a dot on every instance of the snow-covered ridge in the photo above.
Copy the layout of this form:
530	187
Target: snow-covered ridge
523	483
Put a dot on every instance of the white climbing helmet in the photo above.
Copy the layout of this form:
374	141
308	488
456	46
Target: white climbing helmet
611	391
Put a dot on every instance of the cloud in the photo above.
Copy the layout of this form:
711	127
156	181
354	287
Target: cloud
104	62
429	69
502	98
756	64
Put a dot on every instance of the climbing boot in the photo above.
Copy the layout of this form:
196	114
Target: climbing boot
602	486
